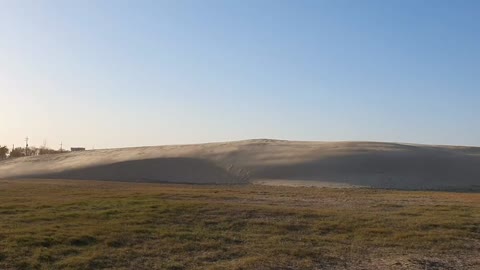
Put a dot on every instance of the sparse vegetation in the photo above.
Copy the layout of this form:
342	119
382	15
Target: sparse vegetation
96	225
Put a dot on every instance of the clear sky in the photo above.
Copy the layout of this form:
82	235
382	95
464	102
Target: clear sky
131	73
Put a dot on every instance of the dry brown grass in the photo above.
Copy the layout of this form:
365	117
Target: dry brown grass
108	225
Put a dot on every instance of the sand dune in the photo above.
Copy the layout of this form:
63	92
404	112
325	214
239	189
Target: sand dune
372	164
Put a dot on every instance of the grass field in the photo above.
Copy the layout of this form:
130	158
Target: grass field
109	225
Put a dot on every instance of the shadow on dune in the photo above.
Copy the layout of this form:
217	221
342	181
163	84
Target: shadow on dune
168	170
425	170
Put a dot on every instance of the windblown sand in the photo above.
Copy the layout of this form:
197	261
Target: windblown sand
344	164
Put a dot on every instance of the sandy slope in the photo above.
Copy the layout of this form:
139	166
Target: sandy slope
387	165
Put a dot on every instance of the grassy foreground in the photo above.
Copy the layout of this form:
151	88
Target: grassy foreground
107	225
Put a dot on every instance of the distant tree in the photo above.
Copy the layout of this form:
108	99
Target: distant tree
33	151
17	152
45	150
48	151
3	152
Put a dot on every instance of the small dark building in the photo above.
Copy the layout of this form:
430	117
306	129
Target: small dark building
74	149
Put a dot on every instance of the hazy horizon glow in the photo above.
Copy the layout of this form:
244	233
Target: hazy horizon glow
131	73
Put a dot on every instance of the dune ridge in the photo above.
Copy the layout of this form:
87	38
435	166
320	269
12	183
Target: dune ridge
370	164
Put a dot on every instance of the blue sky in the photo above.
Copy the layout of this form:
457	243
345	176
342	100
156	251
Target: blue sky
130	73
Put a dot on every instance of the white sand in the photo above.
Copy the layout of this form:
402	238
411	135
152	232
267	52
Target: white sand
372	164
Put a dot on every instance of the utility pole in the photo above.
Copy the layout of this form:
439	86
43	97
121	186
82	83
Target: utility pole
61	146
26	146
